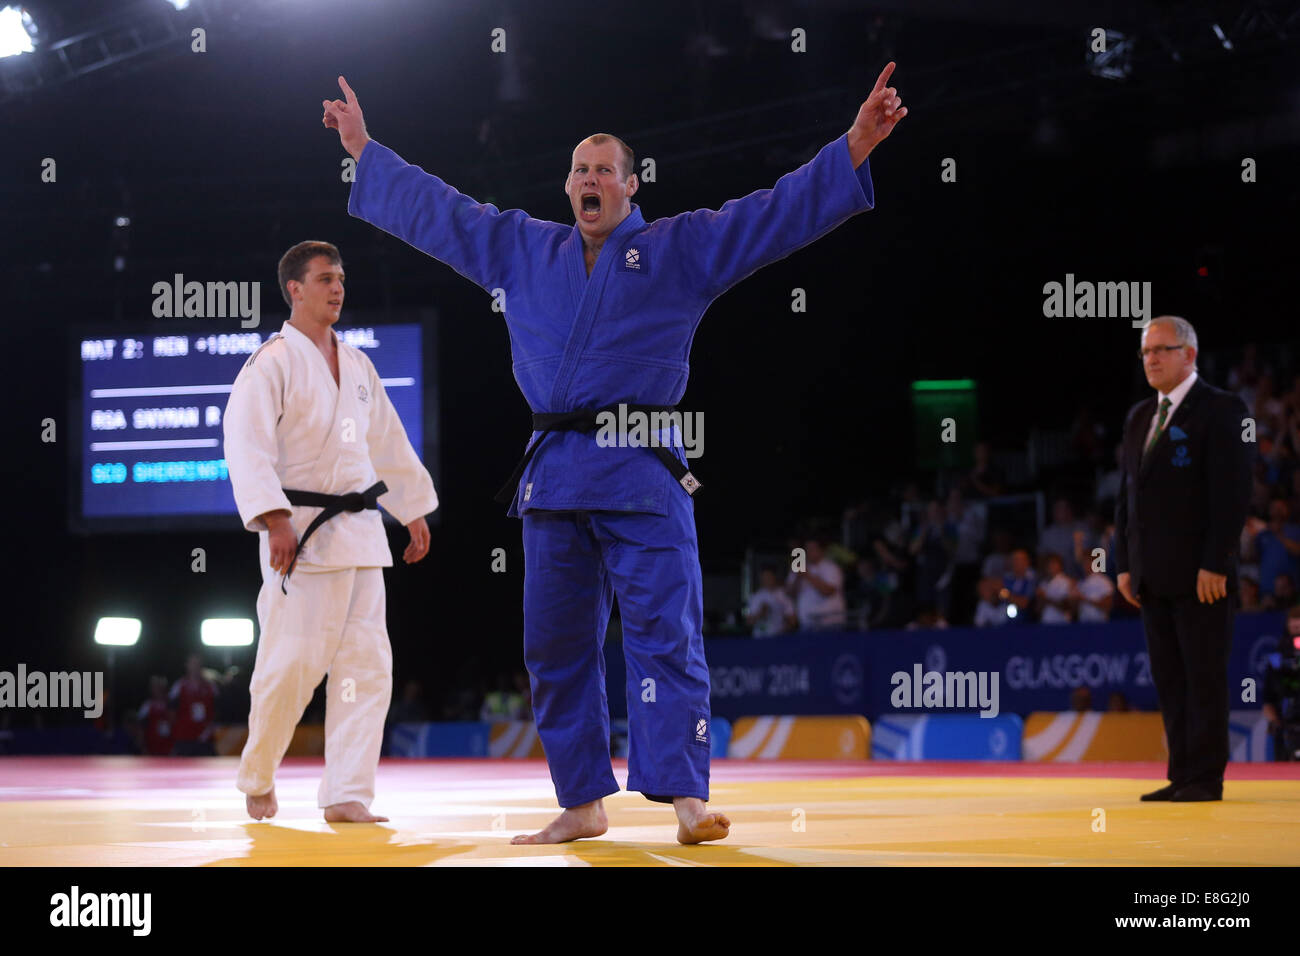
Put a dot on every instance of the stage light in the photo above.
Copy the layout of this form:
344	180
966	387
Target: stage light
17	31
1218	32
179	4
117	631
226	632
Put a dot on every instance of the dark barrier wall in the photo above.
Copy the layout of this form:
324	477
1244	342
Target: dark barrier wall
1037	667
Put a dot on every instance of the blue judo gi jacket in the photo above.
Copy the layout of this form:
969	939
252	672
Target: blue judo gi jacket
624	333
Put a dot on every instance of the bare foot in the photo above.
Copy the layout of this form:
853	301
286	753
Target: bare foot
351	812
263	806
587	820
695	823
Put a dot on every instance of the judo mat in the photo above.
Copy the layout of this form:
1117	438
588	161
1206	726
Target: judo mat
132	811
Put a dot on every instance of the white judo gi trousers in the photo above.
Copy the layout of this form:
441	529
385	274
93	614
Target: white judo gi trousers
332	622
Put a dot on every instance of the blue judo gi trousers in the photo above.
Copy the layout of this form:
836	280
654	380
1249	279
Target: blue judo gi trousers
575	562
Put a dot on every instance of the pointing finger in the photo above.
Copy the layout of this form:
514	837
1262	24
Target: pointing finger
347	91
880	83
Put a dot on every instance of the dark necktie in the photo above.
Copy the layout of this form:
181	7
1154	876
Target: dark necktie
1160	427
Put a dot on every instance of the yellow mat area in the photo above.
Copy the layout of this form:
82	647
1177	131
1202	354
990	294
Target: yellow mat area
872	821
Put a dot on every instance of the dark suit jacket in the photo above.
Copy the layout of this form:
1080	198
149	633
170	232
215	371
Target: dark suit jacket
1184	507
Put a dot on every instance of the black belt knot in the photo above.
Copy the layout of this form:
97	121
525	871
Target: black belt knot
586	420
353	501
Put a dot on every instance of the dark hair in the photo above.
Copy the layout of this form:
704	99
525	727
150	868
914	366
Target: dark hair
293	264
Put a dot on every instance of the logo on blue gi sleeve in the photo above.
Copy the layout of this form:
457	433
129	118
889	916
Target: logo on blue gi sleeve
702	730
1177	434
1181	458
635	259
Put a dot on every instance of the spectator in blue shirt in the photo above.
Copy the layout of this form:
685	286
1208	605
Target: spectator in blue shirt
1278	546
1019	586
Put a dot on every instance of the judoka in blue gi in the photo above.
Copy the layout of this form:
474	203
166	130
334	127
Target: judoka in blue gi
600	313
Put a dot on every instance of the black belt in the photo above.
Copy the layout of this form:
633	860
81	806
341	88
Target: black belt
586	421
367	500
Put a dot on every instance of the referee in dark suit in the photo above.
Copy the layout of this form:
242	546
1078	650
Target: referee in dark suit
1184	494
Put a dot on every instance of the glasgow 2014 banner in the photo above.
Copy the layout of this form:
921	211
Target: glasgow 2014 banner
1007	670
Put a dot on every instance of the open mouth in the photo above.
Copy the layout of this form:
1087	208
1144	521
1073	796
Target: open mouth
590	207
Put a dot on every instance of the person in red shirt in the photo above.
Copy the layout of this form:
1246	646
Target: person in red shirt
157	719
194	697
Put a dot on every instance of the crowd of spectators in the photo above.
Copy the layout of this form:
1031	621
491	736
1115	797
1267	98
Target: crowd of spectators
962	552
179	719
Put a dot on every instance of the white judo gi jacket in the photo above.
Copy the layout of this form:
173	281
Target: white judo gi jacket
287	425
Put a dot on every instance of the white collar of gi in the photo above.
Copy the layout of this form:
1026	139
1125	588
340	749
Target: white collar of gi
633	220
299	338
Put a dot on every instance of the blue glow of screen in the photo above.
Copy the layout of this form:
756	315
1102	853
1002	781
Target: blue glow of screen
153	405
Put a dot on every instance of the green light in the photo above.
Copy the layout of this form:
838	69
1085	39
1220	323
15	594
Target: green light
944	385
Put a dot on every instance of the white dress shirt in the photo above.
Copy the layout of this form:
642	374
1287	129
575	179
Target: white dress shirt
1175	399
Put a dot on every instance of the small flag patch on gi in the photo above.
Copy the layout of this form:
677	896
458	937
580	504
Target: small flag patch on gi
635	259
702	730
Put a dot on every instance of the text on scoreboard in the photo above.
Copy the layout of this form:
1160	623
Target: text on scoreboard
152	407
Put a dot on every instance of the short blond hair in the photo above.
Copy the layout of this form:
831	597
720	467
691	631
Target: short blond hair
629	157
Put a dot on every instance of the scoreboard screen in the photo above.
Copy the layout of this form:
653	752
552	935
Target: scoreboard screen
151	419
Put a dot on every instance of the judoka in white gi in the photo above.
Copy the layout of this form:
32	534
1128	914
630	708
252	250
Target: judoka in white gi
308	414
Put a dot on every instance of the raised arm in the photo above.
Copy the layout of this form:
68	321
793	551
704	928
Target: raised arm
475	239
769	224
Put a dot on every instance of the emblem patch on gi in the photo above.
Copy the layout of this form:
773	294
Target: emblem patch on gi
1177	434
362	393
528	491
636	259
702	731
1181	458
